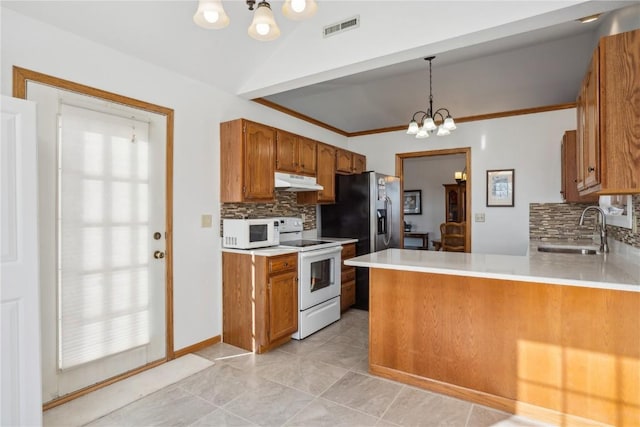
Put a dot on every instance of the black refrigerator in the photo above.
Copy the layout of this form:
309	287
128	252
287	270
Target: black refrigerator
367	208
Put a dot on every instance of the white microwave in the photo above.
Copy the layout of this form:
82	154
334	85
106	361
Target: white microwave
250	233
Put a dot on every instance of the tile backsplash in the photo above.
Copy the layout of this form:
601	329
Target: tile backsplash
286	204
560	221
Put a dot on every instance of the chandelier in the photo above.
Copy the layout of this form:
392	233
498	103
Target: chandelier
427	123
211	15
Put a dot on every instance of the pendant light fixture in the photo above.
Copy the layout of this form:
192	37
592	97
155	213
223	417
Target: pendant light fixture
263	27
427	125
211	15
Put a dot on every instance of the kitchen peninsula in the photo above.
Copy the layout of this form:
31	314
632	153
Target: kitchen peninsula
550	336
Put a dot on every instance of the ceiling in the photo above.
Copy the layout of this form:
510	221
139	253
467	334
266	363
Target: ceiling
521	54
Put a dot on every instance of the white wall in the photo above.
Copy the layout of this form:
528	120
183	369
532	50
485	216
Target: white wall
429	174
198	111
530	144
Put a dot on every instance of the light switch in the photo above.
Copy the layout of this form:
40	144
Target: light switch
206	220
479	217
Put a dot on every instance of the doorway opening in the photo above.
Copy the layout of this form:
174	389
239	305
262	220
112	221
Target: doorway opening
457	209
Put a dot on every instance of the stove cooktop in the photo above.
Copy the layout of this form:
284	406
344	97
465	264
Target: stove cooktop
303	243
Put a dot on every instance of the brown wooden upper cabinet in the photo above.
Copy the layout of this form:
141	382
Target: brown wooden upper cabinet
569	169
359	163
608	137
348	162
325	176
247	162
295	153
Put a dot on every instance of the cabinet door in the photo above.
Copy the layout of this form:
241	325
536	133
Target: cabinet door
592	125
619	70
283	305
308	156
326	173
259	162
343	161
580	140
286	152
359	163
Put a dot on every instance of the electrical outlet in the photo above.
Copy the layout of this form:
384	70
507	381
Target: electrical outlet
206	220
479	217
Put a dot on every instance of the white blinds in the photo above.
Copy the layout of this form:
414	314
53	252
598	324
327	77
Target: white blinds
103	235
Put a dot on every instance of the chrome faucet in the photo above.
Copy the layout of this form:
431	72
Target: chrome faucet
604	246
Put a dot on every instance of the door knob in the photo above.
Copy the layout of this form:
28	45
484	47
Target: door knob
158	254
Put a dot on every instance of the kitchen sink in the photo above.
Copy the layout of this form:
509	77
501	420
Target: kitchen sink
568	250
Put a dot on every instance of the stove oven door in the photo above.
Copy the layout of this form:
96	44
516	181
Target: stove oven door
319	276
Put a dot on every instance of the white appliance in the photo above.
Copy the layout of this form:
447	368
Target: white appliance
293	182
319	272
250	233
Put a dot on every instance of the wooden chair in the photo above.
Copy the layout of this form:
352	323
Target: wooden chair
452	236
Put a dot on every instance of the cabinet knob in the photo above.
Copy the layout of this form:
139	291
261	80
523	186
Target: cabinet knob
286	264
591	169
158	254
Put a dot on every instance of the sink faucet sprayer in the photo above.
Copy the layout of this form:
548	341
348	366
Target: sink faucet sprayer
604	246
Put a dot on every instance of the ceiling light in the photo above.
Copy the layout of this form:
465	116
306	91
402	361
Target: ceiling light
427	122
211	15
263	27
588	19
299	9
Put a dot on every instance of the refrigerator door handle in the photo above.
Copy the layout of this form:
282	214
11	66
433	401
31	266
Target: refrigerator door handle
388	231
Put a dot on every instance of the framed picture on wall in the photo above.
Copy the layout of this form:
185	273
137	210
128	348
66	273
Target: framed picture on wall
413	202
500	187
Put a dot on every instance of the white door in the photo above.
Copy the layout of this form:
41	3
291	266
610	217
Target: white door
102	218
21	382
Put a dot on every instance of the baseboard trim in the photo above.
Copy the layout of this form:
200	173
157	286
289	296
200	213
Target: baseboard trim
504	404
198	346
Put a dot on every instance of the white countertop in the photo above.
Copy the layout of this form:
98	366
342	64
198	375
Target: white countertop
619	270
272	251
342	240
276	250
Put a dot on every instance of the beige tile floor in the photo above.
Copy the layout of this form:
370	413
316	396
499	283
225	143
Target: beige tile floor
320	381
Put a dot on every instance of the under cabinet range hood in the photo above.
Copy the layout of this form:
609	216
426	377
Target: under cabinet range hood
292	182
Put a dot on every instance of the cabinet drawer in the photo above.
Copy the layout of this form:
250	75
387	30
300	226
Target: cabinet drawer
348	275
347	295
348	251
283	263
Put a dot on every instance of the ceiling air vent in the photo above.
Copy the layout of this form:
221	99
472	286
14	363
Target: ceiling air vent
338	27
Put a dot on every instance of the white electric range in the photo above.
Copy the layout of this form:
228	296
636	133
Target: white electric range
319	273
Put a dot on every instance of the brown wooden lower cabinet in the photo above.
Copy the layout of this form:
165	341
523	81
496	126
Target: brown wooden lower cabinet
560	354
348	278
259	300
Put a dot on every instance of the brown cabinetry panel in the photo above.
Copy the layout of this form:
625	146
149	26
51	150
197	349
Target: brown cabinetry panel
569	170
259	300
325	177
295	153
509	344
247	162
287	152
283	305
343	161
359	163
348	278
608	154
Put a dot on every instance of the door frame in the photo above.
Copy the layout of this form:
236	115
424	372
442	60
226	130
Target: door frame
21	77
467	209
